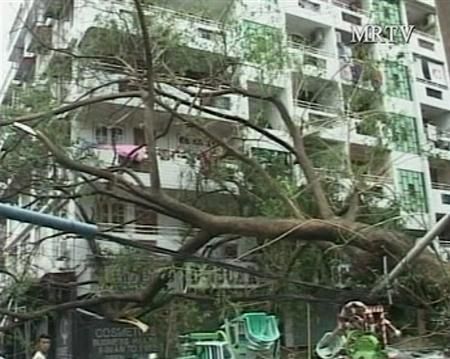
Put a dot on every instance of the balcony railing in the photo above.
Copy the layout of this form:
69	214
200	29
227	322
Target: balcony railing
426	34
184	16
432	83
440	186
349	7
145	229
315	106
309	49
445	243
367	177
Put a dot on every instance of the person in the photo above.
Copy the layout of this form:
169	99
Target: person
42	347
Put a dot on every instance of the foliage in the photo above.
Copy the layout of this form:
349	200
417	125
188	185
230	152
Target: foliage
263	45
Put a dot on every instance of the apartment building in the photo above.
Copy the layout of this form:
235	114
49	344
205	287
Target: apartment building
443	10
410	83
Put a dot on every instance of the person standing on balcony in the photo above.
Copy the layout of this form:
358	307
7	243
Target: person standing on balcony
42	347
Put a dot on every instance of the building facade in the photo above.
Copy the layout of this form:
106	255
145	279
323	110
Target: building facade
408	81
443	10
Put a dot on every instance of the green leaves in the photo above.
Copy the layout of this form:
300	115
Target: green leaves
263	45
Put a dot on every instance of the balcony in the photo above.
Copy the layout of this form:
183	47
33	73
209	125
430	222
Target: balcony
359	73
197	32
169	237
308	9
365	132
440	197
348	15
426	44
381	184
178	169
432	94
315	62
317	118
200	33
429	3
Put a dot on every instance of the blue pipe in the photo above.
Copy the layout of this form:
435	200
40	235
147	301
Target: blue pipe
46	220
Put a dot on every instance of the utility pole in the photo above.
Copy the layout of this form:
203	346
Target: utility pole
415	251
46	220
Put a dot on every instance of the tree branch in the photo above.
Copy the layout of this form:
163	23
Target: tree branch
72	106
245	159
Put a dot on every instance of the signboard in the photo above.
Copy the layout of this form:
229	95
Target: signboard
116	341
199	277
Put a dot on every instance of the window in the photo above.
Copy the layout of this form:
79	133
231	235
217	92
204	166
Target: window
13	253
116	135
63	248
117	213
207	34
434	93
184	140
426	44
397	80
223	103
102	212
355	20
37	238
24	247
404	133
412	190
108	136
230	250
107	211
445	198
146	220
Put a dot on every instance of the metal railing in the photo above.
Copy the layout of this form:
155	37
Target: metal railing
367	177
440	186
429	36
146	229
348	7
432	83
445	243
309	49
184	16
315	106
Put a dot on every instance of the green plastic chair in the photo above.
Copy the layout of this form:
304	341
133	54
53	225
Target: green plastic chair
261	330
332	347
261	326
